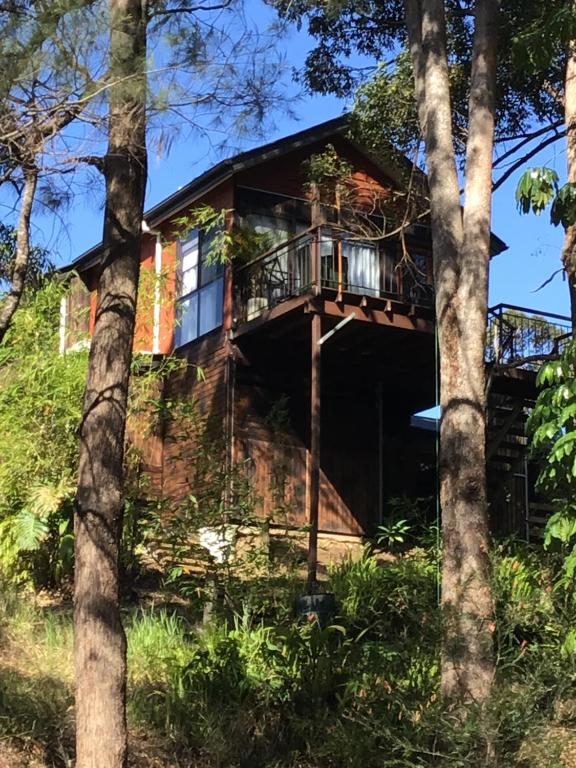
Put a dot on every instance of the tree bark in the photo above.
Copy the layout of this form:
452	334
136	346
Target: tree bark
569	245
461	242
100	645
468	653
12	299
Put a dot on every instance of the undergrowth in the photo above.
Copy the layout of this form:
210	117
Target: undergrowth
262	690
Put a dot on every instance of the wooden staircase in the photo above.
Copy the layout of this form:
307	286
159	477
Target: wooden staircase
515	506
507	464
517	337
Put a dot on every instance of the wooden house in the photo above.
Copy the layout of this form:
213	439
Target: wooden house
316	339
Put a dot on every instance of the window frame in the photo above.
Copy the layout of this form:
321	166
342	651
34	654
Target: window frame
201	289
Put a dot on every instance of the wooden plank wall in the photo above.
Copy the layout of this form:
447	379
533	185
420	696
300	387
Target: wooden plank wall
276	462
288	174
77	313
207	418
144	438
273	458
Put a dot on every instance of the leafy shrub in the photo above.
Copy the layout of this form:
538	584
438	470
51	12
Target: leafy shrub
362	693
40	401
40	411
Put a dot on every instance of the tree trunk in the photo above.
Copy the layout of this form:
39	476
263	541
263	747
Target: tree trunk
12	299
461	241
100	645
468	652
569	245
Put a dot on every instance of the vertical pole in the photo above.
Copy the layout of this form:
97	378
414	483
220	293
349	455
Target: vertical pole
339	259
380	395
314	464
316	221
315	267
526	500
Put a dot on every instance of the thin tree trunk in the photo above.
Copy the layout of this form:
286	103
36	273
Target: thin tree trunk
12	299
100	645
461	249
468	652
569	245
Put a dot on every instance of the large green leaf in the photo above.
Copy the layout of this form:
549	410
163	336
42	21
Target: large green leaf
28	530
536	189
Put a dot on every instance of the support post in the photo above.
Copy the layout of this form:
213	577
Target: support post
314	463
339	256
317	220
380	396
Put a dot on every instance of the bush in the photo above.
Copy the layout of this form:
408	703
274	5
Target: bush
273	692
40	402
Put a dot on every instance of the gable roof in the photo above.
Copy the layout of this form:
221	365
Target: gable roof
227	168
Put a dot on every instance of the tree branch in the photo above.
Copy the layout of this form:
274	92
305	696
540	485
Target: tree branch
525	360
12	298
191	9
521	160
526	139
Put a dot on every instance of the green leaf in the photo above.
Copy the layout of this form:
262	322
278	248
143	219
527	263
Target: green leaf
536	189
28	530
561	526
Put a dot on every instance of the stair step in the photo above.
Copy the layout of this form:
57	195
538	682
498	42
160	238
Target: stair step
510	447
540	506
497	420
503	459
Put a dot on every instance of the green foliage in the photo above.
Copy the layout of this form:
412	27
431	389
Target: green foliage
563	209
247	244
328	172
405	524
40	410
536	189
361	693
40	399
265	690
212	223
38	260
539	43
392	533
552	426
376	32
388	99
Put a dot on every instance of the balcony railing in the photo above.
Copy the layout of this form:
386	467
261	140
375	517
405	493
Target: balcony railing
518	335
325	259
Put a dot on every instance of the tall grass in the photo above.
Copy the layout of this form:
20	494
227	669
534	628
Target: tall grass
266	691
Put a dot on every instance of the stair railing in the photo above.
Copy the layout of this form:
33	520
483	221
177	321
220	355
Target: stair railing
520	336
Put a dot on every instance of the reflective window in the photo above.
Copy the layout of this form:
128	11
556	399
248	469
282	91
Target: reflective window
199	303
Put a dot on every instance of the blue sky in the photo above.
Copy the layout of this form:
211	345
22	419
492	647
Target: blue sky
534	245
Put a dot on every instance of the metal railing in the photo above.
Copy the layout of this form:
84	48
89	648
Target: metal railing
325	259
519	335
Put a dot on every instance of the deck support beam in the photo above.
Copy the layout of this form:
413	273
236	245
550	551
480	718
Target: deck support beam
314	462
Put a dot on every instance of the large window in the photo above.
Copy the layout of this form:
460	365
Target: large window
200	289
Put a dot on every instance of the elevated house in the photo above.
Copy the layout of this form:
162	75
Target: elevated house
316	338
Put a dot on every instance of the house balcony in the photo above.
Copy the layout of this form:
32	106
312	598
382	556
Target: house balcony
522	338
326	262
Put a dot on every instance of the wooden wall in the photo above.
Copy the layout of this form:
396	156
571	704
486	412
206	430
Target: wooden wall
202	383
272	457
276	458
144	434
78	311
287	175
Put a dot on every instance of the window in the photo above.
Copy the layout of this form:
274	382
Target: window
363	267
199	290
